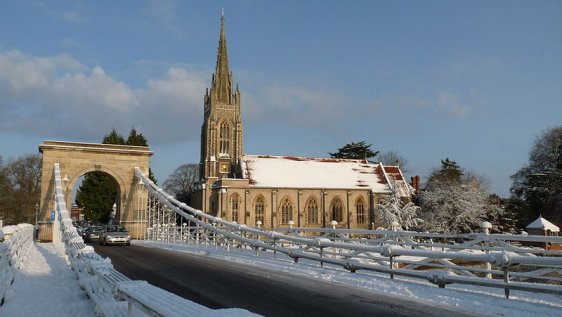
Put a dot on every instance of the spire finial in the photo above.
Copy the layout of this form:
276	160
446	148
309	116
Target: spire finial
222	13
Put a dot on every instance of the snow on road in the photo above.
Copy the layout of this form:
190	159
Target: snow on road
46	286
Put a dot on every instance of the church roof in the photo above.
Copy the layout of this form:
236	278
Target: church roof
329	173
544	224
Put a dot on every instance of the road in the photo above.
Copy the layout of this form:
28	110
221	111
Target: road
220	284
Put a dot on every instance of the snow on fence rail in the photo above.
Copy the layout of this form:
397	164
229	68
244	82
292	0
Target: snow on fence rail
14	245
490	260
113	293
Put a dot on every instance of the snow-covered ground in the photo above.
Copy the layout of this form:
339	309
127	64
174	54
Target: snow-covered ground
45	286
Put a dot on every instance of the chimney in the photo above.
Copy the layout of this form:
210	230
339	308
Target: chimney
416	182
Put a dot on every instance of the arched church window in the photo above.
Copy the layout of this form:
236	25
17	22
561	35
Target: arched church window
286	211
259	209
360	211
312	212
224	138
337	210
235	206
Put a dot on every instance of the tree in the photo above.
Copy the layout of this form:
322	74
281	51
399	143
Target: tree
5	189
394	210
96	195
136	138
181	182
113	138
455	200
450	172
20	185
539	183
360	151
394	159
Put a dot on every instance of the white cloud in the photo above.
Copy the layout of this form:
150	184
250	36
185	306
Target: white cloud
60	97
295	104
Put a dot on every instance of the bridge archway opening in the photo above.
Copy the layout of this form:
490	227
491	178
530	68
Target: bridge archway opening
117	161
96	198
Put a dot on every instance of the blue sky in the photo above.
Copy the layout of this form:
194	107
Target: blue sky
474	81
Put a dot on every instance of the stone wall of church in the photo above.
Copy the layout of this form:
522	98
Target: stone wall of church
235	200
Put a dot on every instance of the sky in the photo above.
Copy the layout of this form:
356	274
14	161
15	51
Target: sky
476	82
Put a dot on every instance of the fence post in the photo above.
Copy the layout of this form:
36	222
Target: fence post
506	280
486	230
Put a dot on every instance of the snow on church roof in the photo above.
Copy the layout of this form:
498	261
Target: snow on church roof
330	173
544	224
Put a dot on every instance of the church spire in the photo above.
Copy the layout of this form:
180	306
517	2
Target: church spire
222	83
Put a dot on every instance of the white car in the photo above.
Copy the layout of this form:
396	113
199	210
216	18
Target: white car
113	234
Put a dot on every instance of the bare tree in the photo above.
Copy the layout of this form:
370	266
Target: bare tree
21	182
394	158
182	181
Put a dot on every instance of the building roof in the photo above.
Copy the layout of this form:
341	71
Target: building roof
544	224
329	173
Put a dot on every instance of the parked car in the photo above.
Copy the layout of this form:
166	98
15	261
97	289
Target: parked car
114	234
91	233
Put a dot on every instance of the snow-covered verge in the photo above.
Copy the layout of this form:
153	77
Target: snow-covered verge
477	300
45	286
15	243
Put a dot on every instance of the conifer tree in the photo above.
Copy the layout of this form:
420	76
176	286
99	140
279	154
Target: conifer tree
359	151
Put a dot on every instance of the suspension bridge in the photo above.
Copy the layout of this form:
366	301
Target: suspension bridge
496	261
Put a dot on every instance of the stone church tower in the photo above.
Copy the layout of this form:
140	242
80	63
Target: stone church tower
221	133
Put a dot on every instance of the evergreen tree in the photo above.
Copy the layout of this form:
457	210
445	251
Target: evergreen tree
450	172
136	139
113	138
359	150
96	195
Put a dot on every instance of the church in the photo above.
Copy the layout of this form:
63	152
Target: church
281	191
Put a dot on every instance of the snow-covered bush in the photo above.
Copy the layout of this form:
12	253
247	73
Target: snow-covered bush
405	214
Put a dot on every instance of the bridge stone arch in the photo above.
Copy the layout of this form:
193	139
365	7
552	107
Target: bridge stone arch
118	161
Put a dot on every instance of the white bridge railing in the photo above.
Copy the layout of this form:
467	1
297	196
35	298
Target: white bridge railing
14	245
490	260
113	293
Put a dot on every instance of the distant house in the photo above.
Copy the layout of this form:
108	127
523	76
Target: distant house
543	227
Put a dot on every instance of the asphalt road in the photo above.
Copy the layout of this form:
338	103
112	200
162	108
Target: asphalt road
220	284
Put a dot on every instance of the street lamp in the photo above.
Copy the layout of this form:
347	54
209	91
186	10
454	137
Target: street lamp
36	217
36	213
